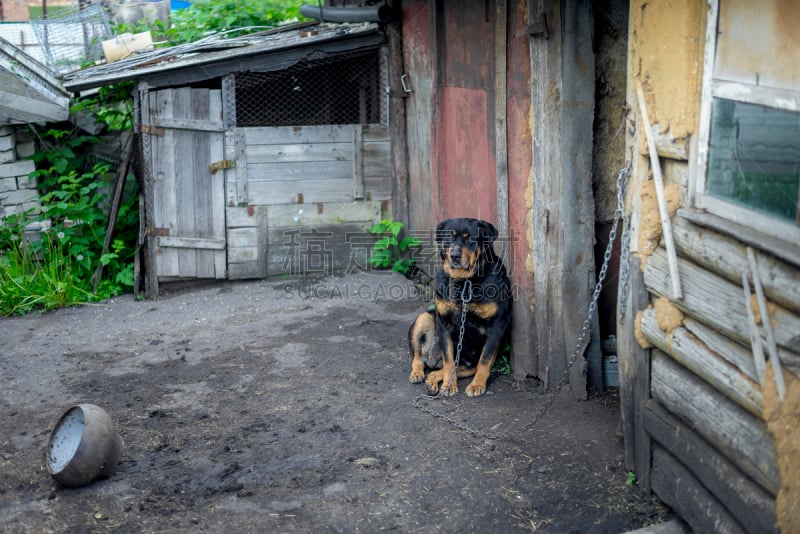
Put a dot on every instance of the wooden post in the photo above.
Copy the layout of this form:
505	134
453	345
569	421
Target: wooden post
397	117
119	185
150	262
501	131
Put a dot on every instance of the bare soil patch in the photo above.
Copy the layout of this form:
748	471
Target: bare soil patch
285	406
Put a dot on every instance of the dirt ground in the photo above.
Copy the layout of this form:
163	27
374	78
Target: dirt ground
285	406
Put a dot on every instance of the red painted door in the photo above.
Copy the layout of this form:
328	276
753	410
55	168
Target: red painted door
464	151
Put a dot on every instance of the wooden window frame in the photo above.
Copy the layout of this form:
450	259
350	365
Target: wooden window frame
785	100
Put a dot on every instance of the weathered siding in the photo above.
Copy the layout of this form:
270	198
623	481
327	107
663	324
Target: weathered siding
312	194
698	387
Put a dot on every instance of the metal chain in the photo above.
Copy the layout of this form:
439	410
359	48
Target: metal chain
619	215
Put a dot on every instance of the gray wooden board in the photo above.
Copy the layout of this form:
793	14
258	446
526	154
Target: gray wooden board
319	250
694	355
165	189
676	486
716	301
726	256
739	436
753	507
546	81
188	198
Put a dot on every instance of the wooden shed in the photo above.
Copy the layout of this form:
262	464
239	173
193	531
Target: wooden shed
262	155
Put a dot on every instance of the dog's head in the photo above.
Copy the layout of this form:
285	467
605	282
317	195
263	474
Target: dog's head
465	245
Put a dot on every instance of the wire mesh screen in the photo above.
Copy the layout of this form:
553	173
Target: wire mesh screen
73	39
344	89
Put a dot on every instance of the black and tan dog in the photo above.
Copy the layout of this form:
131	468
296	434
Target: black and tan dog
472	275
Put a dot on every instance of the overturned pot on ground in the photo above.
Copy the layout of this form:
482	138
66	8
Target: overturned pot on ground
84	446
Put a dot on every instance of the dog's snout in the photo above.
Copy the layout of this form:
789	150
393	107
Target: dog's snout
455	254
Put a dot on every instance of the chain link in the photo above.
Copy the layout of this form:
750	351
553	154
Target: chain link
619	215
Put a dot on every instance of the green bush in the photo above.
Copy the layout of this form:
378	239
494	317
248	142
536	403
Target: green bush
205	17
388	251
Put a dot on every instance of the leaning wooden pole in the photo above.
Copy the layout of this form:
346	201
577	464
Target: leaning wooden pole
658	180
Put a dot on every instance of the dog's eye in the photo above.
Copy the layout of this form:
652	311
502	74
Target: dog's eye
465	235
454	233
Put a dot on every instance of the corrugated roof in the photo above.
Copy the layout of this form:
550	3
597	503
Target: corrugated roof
215	55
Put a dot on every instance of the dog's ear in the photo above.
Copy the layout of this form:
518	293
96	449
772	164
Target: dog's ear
440	233
487	231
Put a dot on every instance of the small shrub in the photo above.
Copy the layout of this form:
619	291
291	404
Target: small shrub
388	251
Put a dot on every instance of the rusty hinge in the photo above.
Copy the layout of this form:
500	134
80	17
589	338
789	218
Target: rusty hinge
220	165
152	130
157	232
538	28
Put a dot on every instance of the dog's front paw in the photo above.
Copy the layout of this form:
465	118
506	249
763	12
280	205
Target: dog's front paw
432	382
450	389
416	376
476	390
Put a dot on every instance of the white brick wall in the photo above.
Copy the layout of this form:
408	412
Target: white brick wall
17	190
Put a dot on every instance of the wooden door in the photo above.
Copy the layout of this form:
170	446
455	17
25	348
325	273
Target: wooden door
187	205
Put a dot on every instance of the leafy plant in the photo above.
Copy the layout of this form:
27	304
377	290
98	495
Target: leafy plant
205	17
57	269
631	479
502	364
388	251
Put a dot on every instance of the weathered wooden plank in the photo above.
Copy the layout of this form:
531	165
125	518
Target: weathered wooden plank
25	109
358	162
753	507
634	371
769	243
243	237
725	255
191	242
163	162
500	120
282	135
304	170
732	352
317	250
692	354
547	178
668	146
238	217
201	125
676	486
239	255
147	205
328	213
717	302
247	247
301	191
738	435
216	153
241	173
200	110
397	118
658	181
299	153
185	187
576	197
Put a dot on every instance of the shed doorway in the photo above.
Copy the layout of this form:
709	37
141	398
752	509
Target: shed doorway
184	133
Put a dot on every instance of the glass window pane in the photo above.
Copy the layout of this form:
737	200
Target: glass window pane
754	157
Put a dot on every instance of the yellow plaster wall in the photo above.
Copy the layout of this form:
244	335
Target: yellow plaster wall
666	44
